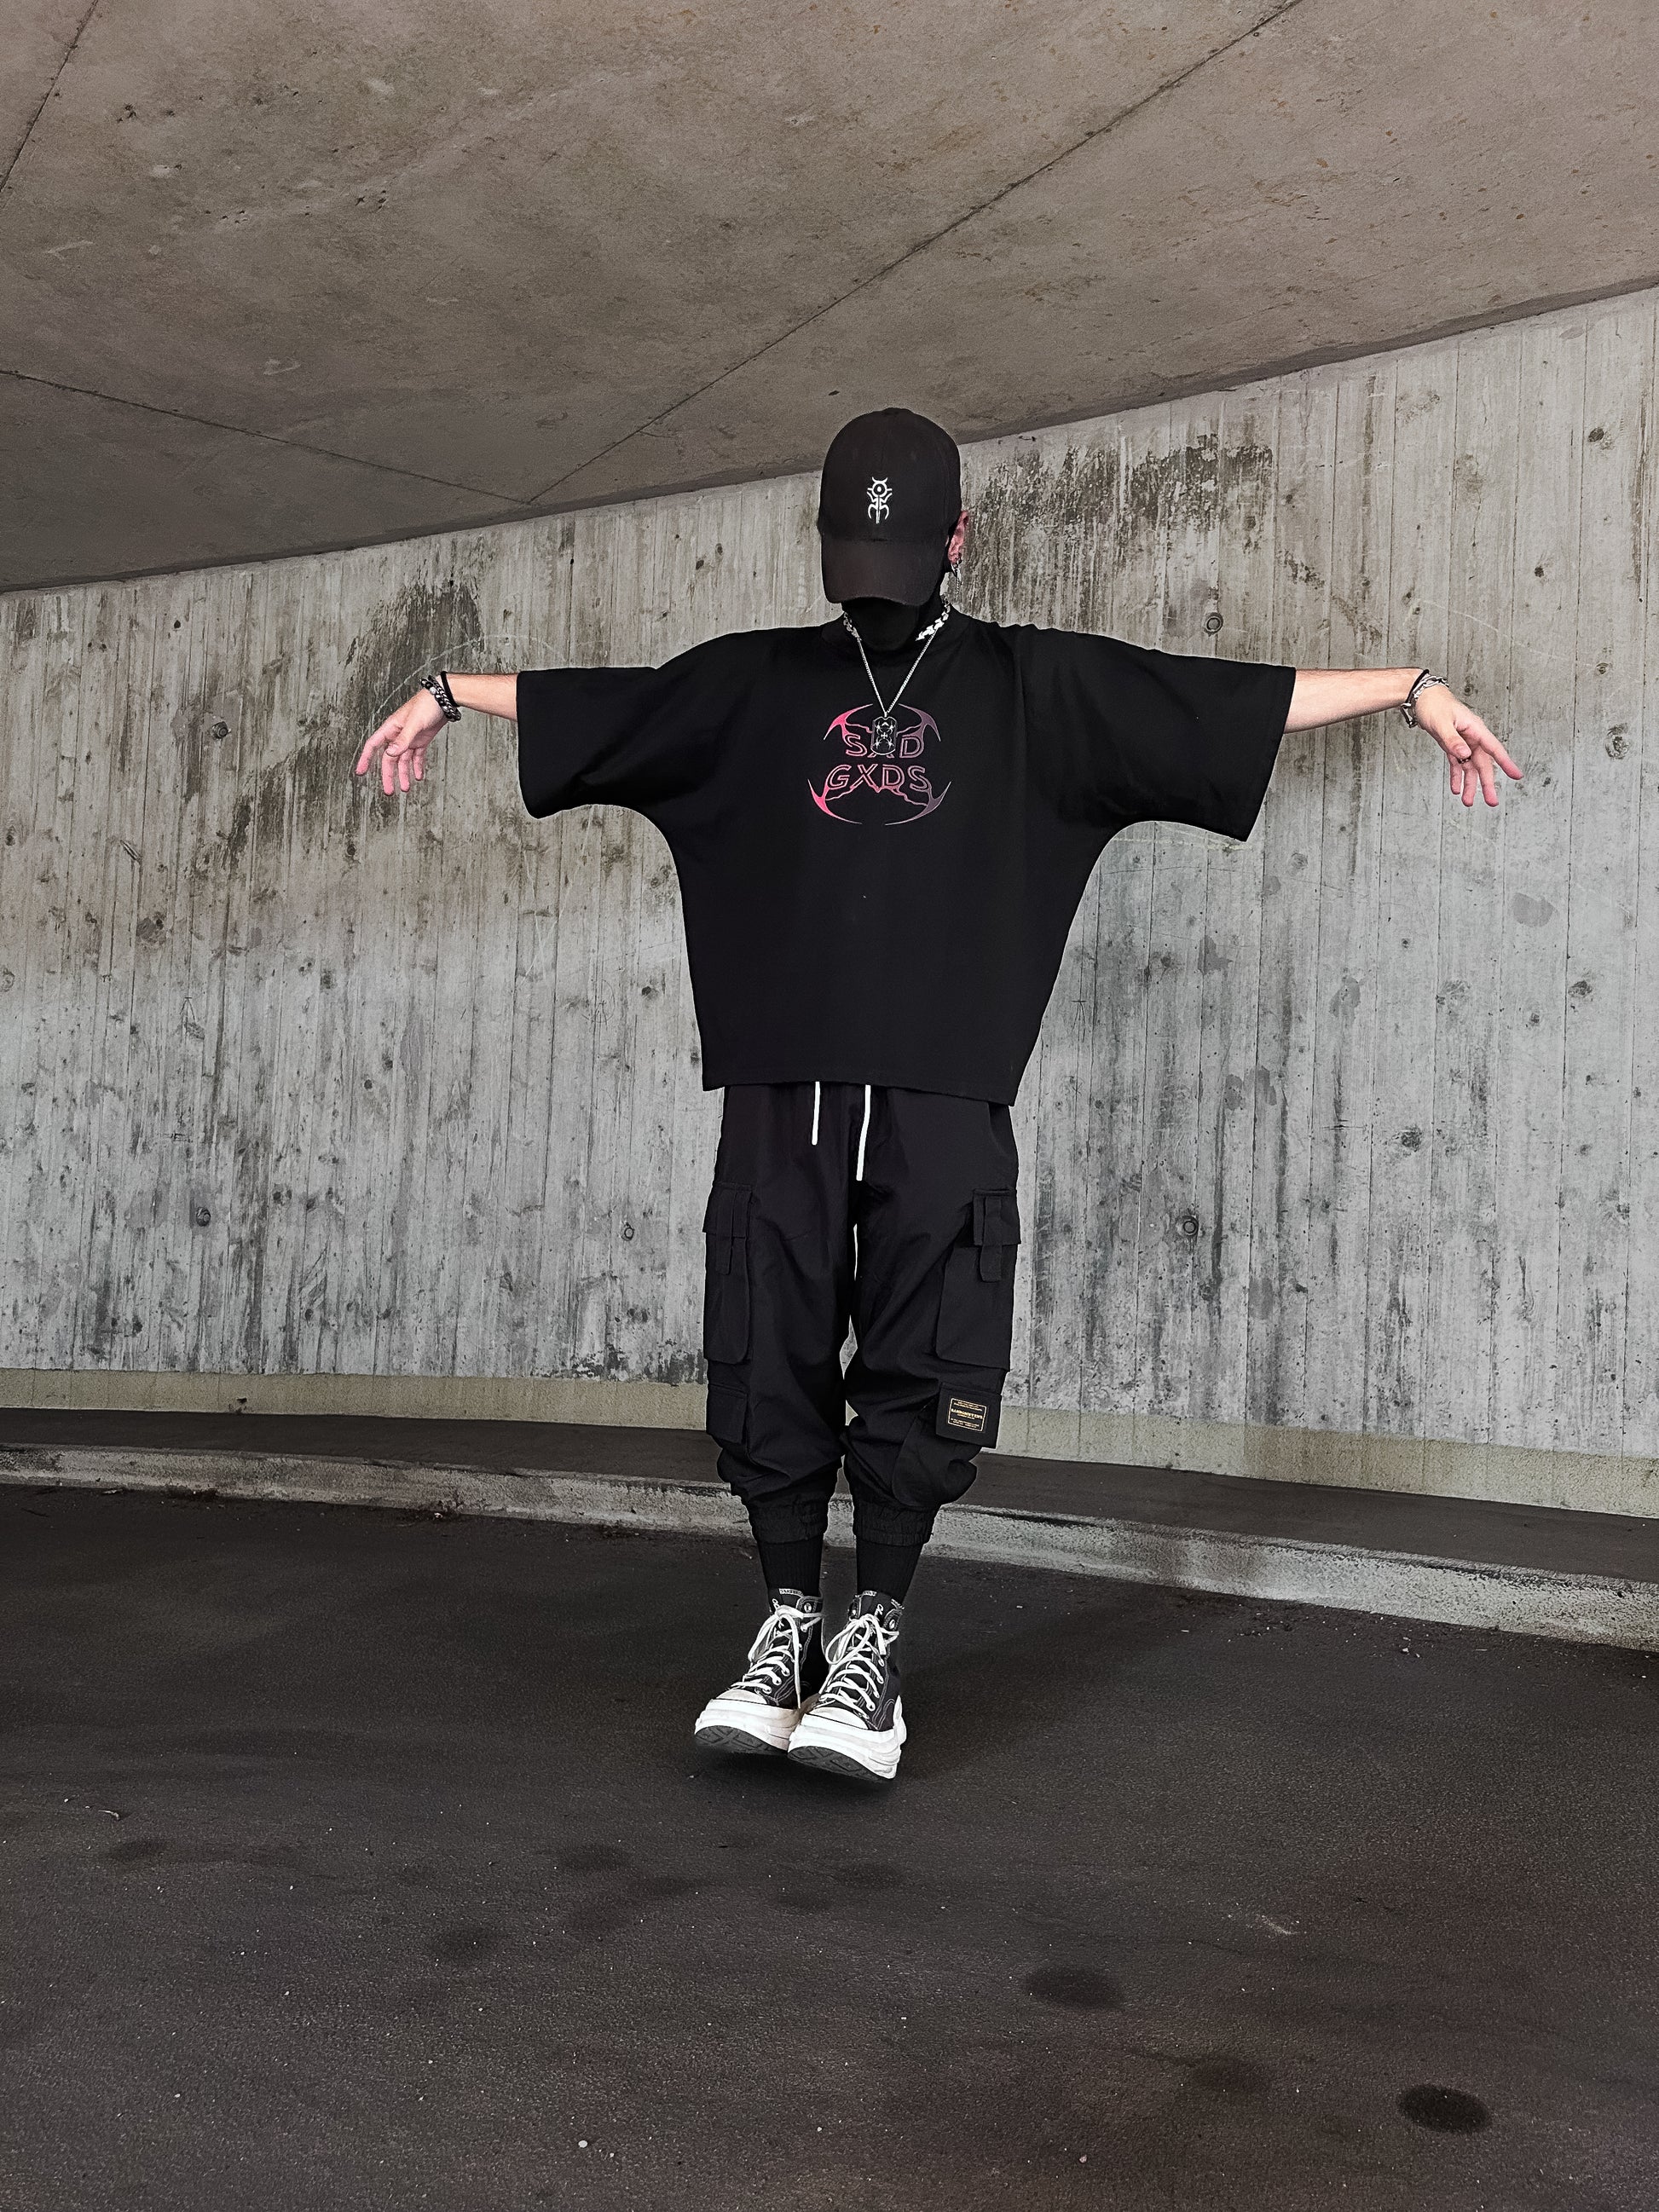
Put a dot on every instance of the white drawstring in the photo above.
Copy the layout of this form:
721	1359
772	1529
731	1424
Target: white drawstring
817	1096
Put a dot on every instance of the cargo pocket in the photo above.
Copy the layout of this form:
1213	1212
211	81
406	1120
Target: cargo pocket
976	1306
932	1469
727	1418
725	1288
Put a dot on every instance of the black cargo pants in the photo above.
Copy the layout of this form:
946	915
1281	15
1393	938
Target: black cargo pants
918	1251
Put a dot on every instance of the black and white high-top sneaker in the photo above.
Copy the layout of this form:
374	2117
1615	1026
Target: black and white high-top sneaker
786	1668
856	1722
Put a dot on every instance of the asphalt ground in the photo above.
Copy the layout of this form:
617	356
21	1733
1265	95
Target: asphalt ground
357	1860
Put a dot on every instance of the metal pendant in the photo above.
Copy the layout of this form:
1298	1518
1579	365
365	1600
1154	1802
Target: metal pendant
883	738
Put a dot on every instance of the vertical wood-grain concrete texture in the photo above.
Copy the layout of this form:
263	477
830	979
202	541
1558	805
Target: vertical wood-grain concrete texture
1341	1147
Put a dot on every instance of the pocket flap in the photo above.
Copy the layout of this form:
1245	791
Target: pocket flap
996	1230
726	1222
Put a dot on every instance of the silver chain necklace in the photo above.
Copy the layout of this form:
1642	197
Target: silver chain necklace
884	730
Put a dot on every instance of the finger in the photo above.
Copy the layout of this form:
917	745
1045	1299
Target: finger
1485	741
1502	758
387	730
371	746
1488	781
394	761
1452	744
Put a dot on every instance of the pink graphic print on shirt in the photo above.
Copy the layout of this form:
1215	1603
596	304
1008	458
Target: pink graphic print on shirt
882	775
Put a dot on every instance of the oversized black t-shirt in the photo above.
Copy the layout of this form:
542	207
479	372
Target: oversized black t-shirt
891	906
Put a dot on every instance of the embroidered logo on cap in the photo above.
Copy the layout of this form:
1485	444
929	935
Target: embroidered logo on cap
880	496
966	1415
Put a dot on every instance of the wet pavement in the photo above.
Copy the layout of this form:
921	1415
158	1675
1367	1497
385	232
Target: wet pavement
356	1860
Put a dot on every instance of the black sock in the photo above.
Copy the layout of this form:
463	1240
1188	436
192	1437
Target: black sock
886	1567
792	1566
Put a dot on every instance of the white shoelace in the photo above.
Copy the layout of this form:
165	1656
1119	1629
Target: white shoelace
775	1653
858	1664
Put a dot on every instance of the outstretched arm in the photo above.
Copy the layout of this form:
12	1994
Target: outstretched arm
402	740
1333	694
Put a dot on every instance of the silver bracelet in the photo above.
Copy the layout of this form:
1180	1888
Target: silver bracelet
438	685
1422	685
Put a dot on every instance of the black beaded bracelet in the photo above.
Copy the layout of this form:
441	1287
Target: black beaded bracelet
438	685
1409	702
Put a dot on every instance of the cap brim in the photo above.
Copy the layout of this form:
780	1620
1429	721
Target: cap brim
858	569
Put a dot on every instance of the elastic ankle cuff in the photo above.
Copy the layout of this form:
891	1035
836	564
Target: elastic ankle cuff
899	1525
783	1520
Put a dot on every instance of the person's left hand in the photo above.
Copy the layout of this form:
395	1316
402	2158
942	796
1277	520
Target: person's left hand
1469	746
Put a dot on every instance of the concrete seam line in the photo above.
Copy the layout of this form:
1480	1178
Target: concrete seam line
64	60
504	509
1114	122
1472	1594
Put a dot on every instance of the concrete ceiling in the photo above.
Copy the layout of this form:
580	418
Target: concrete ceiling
300	275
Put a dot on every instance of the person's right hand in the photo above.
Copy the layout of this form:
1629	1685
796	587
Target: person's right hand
401	742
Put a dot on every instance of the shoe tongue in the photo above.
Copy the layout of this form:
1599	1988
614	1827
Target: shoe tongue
887	1609
797	1601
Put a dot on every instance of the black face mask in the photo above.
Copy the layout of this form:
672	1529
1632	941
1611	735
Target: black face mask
885	625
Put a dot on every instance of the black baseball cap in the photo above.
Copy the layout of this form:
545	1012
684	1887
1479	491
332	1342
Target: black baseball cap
888	502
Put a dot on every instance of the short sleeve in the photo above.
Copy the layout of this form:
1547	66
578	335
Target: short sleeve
625	737
1123	733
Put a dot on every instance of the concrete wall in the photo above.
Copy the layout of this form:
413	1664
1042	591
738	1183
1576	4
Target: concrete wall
1341	1148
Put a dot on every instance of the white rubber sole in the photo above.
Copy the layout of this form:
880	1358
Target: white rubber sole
840	1746
745	1724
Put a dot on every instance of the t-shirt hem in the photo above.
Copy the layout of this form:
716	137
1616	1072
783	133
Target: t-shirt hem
1263	741
529	741
882	1075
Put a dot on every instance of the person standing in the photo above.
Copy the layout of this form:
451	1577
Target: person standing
883	826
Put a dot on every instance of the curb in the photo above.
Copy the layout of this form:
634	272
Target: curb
1460	1593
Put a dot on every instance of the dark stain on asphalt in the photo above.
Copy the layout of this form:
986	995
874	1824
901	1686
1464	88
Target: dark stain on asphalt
1448	2111
467	1943
1224	2076
660	1885
135	1850
595	1920
592	1858
1080	1988
869	1873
